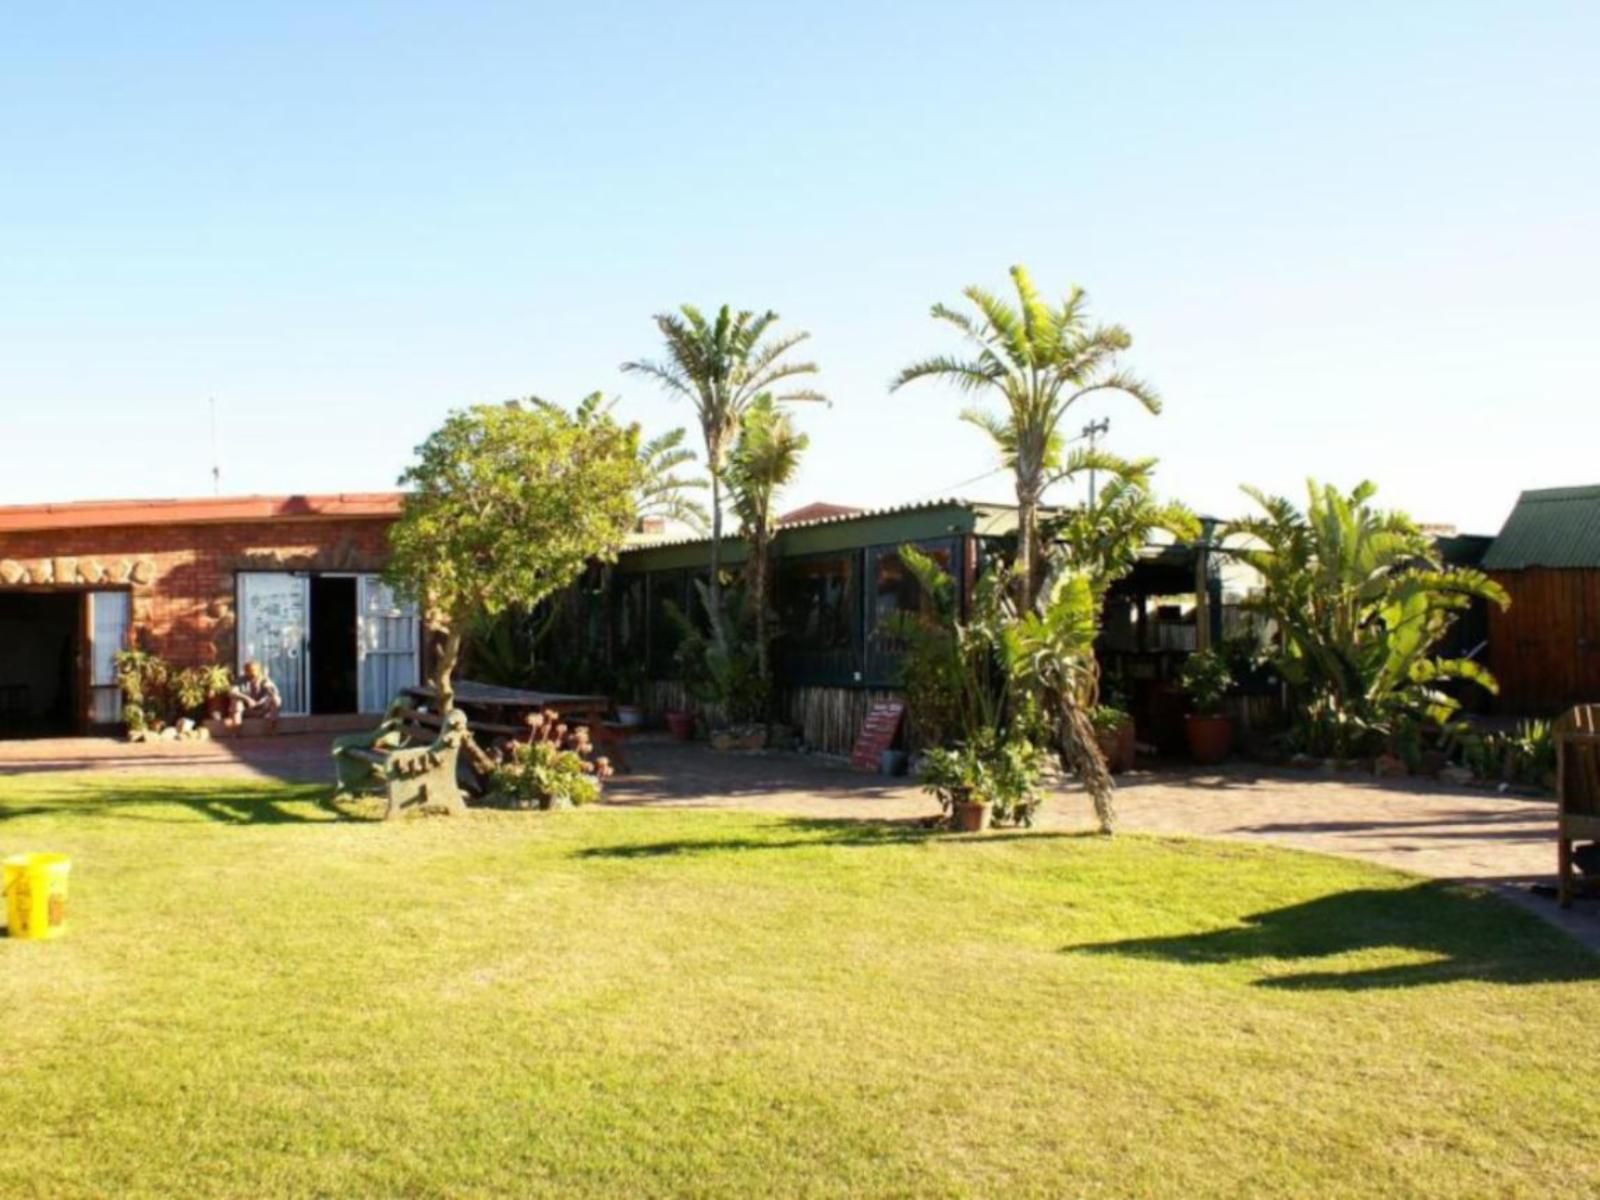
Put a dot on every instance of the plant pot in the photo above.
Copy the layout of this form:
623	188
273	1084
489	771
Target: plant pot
1210	737
892	762
739	739
681	726
631	716
970	816
1119	748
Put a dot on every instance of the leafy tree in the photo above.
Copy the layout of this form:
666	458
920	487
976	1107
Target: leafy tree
1360	598
505	504
763	461
721	366
1041	361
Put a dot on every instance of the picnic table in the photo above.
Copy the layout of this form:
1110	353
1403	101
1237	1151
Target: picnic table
504	711
508	708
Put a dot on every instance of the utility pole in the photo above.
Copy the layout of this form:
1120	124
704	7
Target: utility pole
1092	431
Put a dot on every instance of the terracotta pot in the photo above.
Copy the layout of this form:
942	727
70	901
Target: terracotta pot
971	816
1119	748
681	726
1210	737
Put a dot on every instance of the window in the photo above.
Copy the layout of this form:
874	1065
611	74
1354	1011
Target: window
666	588
108	614
818	604
891	589
388	647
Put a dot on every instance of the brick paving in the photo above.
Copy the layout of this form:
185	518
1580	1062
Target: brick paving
1502	841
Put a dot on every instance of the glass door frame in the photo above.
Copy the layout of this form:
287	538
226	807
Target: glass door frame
303	658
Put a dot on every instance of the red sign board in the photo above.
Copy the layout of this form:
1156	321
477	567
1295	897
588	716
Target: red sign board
877	734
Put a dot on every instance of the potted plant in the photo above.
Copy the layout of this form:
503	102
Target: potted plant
218	682
1205	679
1113	728
990	778
955	777
629	681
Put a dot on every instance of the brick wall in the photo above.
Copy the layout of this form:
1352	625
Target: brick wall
182	577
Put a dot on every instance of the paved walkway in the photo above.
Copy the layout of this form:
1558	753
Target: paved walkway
1504	842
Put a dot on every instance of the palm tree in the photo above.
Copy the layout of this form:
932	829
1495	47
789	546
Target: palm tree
762	463
664	493
1042	361
721	366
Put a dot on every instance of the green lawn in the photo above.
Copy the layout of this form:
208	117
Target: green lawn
262	996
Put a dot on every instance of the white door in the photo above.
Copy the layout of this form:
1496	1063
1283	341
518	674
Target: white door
389	639
274	629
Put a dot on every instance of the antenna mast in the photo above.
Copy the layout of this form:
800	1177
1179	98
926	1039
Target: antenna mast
216	463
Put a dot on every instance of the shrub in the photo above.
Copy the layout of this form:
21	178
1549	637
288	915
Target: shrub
1205	679
1526	755
1001	772
1107	719
541	775
155	695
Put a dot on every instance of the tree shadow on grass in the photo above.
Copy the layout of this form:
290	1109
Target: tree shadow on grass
1468	934
217	801
803	833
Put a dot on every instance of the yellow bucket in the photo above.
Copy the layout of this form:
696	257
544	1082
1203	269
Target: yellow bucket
36	894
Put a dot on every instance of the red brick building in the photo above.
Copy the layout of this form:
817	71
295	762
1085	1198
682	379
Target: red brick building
288	580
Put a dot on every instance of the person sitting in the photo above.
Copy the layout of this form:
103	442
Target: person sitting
255	695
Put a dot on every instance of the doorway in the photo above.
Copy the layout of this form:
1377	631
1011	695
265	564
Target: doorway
333	644
41	642
335	668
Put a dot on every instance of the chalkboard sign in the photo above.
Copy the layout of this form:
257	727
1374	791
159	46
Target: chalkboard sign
877	734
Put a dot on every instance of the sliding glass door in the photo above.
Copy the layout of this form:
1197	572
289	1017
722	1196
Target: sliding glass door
389	643
274	630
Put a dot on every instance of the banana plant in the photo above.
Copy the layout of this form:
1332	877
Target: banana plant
1360	599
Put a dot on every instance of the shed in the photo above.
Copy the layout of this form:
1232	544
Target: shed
1545	648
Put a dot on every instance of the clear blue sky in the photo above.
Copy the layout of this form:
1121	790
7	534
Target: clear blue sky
1358	241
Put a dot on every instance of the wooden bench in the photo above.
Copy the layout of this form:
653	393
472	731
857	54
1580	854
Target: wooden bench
412	755
1577	735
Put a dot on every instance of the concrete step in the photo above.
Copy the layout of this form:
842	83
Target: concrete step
329	723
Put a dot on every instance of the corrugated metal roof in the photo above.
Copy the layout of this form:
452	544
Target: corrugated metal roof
1550	527
656	542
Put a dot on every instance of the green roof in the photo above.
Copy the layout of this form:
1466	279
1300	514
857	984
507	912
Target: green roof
899	523
1552	527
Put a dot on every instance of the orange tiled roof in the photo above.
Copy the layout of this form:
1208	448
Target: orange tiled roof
100	514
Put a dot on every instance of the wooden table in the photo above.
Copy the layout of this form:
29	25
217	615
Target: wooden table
509	707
